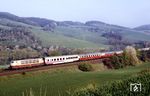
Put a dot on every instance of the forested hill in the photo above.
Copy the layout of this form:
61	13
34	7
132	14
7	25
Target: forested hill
34	31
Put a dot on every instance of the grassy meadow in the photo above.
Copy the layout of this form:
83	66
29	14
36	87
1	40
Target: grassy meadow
59	81
78	41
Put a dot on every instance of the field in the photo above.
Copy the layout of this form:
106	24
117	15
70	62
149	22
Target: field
56	82
51	38
134	36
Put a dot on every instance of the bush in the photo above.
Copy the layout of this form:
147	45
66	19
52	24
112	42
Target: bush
114	62
85	67
23	73
117	61
145	56
107	62
119	88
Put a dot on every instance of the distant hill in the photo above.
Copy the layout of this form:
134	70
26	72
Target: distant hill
45	32
12	17
143	27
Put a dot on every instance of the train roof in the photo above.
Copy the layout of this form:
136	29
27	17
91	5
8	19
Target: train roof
62	56
100	53
26	59
91	53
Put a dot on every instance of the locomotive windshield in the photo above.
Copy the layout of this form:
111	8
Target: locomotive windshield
12	62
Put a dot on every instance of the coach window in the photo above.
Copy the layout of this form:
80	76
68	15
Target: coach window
54	59
63	58
60	58
57	59
22	62
34	61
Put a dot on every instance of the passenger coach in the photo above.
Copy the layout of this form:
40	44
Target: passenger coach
61	59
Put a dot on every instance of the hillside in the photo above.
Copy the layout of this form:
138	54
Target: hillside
45	32
144	28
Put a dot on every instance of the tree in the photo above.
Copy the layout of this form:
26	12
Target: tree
131	54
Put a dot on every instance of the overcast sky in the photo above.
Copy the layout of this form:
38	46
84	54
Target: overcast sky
129	13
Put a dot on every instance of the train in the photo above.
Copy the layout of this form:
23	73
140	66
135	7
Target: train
26	63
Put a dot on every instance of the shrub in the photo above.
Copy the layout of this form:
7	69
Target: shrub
145	56
85	67
119	88
107	62
23	73
117	61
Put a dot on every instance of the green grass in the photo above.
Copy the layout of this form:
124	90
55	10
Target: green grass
79	38
58	81
135	36
53	38
3	66
81	34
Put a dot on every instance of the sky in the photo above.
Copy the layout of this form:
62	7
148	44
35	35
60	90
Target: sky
128	13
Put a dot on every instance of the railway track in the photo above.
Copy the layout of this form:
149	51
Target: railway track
21	71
